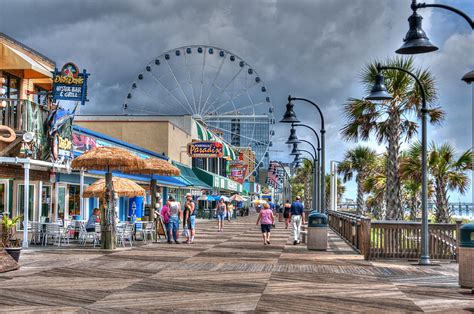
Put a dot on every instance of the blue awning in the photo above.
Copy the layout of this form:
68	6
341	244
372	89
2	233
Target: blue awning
160	180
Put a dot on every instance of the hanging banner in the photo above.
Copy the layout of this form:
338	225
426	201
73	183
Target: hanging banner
69	84
205	150
237	171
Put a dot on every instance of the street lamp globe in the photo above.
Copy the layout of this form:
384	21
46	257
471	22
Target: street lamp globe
292	139
468	77
416	40
289	116
295	151
379	90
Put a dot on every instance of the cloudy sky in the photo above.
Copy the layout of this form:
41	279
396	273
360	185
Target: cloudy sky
313	49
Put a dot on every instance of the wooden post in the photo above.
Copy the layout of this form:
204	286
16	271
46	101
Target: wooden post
458	238
365	238
153	205
108	215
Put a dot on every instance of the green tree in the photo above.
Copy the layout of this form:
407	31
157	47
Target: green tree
301	183
357	160
374	184
449	174
392	120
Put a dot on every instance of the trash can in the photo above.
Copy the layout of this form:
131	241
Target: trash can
317	231
466	256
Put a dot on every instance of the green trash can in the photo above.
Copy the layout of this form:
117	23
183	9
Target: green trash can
317	231
466	256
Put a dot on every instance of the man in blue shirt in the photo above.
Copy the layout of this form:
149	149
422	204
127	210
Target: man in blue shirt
297	218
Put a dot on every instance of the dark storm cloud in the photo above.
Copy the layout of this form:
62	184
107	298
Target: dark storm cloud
311	49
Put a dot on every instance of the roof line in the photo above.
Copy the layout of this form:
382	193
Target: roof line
119	142
29	49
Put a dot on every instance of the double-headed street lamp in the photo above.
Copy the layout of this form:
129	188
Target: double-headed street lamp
316	168
416	40
379	93
290	117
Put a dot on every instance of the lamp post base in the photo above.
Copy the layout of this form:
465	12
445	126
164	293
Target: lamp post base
424	261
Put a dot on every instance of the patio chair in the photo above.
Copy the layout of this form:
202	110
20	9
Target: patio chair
36	233
93	235
124	232
148	230
53	232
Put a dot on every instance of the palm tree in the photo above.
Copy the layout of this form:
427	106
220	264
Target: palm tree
302	181
391	120
446	172
374	184
359	159
449	174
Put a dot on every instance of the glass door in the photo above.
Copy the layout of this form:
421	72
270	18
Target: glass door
61	202
21	202
46	208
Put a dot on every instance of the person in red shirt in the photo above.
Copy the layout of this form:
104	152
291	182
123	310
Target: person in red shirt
165	214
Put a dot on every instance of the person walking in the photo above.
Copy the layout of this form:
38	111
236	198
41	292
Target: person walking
266	219
190	218
297	218
165	215
175	214
286	213
221	211
230	211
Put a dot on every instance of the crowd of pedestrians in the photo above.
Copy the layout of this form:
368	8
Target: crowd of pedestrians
172	213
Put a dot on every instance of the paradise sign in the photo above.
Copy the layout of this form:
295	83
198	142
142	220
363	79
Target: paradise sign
69	84
205	150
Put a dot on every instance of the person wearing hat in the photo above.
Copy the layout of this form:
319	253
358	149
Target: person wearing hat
297	218
221	211
190	218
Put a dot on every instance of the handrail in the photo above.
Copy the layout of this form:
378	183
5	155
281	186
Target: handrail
19	114
394	239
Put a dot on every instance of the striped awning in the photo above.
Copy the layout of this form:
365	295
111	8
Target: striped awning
205	135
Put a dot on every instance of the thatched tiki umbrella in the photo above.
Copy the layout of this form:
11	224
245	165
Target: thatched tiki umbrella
158	167
122	188
108	159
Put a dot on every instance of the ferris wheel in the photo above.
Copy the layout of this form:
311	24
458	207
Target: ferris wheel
214	86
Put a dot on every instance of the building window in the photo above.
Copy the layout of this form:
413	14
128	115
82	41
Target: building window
10	86
4	197
40	96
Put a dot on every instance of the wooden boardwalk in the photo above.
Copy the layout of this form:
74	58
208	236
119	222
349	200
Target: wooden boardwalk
229	271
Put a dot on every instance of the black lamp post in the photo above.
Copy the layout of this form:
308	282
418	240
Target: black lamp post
379	92
416	40
290	117
293	139
318	167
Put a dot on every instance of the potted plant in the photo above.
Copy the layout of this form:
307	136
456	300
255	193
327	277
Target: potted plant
9	240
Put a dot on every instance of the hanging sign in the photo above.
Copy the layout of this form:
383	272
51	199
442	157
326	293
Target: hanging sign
205	149
238	171
69	84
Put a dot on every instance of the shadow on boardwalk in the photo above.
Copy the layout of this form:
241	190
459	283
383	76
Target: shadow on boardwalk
229	271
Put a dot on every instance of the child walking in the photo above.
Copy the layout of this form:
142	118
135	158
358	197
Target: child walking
266	219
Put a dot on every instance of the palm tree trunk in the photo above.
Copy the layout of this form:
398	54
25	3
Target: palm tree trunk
360	194
442	206
392	197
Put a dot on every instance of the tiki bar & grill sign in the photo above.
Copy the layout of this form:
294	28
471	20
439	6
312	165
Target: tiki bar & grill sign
69	84
205	149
